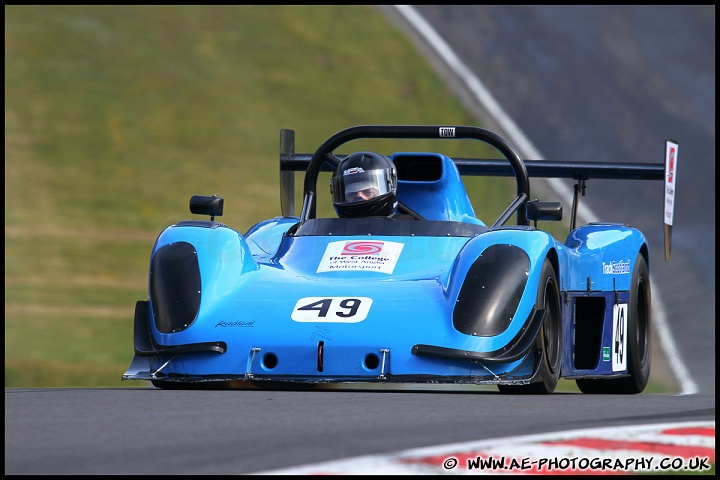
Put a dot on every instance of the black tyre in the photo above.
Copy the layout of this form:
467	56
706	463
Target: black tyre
549	340
639	346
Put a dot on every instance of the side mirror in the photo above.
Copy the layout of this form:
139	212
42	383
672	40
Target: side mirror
544	211
207	205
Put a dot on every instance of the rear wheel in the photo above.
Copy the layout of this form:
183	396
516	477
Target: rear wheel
638	340
549	339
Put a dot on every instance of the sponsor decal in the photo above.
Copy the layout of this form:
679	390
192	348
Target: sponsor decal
367	255
236	323
606	354
447	132
321	332
362	248
619	347
331	309
353	170
616	268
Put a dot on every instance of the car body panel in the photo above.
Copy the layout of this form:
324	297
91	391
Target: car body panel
446	299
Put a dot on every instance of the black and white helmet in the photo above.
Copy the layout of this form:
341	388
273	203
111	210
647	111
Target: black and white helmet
364	185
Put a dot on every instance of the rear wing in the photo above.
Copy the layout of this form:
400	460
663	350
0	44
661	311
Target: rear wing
581	172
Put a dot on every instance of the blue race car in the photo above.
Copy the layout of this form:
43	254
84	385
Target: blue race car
413	288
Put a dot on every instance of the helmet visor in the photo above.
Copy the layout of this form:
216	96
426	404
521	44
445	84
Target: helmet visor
356	185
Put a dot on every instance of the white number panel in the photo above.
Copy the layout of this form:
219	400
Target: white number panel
619	349
332	309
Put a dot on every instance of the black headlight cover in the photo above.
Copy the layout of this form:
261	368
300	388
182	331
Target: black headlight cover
491	292
175	287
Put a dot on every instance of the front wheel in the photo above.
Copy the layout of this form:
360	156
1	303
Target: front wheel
549	340
638	341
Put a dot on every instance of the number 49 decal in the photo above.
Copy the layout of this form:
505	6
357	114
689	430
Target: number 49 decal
619	349
331	309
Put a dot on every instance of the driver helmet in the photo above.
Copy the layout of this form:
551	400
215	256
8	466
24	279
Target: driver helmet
364	185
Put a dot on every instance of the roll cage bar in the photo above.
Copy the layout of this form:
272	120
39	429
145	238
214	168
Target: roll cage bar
325	160
324	157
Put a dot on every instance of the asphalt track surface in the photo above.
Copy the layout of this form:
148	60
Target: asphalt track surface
575	83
